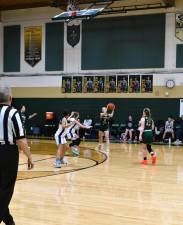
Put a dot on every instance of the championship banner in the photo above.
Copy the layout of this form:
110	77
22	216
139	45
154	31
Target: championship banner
77	84
134	83
146	83
122	83
179	26
32	44
110	84
66	84
99	84
73	34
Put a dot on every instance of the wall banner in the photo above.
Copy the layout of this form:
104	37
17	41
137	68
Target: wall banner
179	26
32	44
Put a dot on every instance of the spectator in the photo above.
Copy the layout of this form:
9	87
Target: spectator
129	129
87	122
159	130
169	128
179	131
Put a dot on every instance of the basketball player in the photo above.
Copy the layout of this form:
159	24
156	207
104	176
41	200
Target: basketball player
60	137
73	133
104	126
24	117
146	136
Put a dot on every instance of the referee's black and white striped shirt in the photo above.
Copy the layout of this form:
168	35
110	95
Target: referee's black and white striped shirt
11	127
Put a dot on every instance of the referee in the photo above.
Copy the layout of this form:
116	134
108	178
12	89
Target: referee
12	137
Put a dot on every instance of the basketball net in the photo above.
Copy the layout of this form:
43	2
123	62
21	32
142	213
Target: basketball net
72	6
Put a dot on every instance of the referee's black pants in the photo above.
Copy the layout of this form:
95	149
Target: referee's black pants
9	158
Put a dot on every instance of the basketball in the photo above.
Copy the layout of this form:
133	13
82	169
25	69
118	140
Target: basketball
110	106
49	115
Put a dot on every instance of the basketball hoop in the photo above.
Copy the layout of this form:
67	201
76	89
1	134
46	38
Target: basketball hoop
78	15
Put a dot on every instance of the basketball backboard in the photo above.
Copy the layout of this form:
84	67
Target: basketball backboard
78	14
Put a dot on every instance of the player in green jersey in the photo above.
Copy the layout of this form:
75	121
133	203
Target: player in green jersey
146	136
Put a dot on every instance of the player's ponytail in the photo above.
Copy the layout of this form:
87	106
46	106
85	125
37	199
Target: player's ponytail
147	113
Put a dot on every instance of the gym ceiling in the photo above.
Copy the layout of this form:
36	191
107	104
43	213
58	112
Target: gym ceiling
111	6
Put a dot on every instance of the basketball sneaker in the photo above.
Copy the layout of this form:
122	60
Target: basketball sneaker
76	152
154	159
57	163
144	162
63	162
12	223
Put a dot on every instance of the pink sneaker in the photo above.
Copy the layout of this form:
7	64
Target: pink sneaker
144	162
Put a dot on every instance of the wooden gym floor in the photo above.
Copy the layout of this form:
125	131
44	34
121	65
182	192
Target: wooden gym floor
100	188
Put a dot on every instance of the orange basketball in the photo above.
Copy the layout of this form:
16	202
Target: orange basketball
49	115
110	106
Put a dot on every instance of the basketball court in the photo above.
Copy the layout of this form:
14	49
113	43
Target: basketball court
81	55
100	187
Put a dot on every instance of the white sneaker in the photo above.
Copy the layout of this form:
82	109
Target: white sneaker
76	152
57	163
63	162
177	142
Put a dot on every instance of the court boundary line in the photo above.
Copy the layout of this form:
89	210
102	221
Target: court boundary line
70	171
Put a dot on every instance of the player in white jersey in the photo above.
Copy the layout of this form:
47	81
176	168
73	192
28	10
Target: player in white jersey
73	133
60	138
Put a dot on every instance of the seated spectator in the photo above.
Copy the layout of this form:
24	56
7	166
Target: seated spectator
87	122
159	130
179	131
169	128
129	129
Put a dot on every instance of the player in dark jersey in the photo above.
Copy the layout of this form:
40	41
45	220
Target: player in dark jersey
24	116
146	136
104	126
